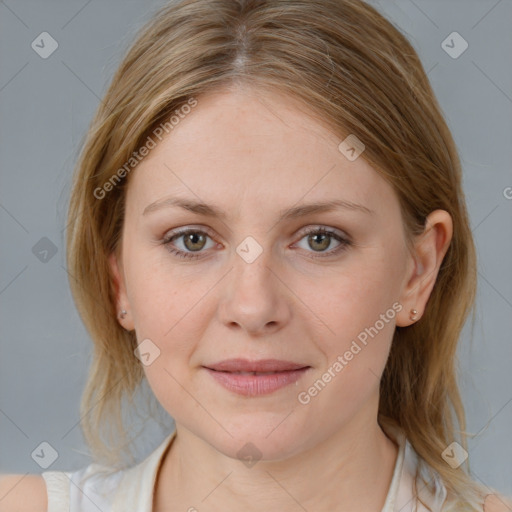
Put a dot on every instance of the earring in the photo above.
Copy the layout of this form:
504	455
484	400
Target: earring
122	314
413	314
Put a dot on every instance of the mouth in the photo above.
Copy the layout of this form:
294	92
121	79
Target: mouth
255	373
261	366
254	382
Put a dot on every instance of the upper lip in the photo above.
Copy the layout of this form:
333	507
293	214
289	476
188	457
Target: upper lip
263	365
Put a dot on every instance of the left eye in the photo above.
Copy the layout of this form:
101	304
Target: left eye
321	238
194	240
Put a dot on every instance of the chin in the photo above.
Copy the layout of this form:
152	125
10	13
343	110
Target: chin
266	438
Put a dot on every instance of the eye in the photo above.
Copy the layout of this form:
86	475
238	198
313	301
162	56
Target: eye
193	240
319	239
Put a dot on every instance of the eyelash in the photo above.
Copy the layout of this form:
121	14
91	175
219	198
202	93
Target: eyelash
345	243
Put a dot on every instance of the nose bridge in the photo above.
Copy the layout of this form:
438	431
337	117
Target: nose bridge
254	298
253	265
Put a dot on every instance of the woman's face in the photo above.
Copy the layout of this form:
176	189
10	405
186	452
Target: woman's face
259	287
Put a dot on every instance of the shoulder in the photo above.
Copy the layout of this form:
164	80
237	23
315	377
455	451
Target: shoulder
495	503
23	493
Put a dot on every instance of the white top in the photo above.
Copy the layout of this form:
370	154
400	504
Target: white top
132	489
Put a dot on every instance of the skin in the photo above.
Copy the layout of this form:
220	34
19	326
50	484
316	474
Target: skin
253	154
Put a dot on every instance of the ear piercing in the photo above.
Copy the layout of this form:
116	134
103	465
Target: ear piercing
122	314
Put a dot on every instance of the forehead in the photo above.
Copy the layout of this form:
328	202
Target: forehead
257	149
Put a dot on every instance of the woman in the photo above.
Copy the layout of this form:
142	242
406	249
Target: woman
267	223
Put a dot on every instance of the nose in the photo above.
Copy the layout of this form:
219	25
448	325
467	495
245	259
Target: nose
254	297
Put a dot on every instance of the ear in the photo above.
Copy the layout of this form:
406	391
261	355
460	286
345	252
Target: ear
122	302
429	250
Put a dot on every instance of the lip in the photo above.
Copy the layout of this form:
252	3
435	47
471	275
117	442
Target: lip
226	373
262	365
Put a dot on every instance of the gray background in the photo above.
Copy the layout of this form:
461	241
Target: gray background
45	108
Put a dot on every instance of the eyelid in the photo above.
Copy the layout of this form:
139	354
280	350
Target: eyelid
303	231
323	227
184	229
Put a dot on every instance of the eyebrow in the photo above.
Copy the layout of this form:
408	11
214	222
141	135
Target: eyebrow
208	210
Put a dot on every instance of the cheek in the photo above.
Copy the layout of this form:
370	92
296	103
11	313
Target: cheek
165	308
355	297
164	295
358	313
363	327
355	357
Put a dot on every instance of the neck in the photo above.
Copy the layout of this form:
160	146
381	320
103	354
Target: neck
348	471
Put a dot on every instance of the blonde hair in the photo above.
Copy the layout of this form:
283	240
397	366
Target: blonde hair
352	69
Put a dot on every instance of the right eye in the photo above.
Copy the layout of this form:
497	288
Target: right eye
193	240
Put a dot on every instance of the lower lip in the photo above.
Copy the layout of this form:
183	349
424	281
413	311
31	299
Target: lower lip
255	385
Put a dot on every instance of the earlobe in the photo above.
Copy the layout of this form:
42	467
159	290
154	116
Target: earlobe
429	251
